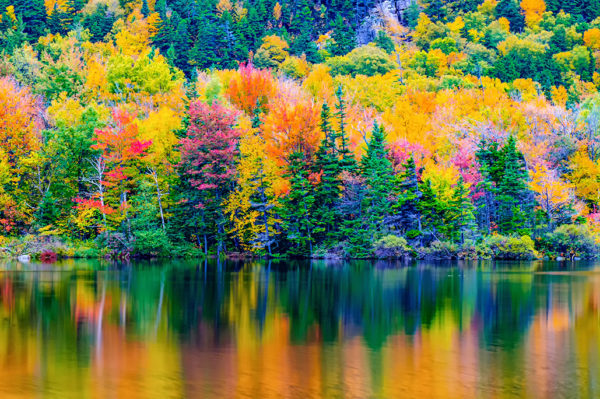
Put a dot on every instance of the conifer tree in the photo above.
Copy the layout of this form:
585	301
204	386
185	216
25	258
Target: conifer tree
514	197
378	173
406	210
181	45
145	9
347	159
327	190
295	211
33	14
465	226
343	35
510	10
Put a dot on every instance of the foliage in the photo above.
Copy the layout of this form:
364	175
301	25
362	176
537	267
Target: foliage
366	60
507	247
151	243
295	129
570	240
391	247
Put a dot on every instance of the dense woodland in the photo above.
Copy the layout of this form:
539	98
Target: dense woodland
455	129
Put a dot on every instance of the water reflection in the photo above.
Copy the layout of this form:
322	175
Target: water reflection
298	330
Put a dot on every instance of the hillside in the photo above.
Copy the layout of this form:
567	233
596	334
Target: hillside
335	129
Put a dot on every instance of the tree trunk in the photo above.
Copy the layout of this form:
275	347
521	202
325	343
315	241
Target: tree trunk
159	198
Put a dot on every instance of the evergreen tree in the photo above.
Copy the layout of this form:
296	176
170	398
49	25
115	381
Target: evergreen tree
347	159
33	15
513	195
436	10
12	35
327	192
510	10
411	14
378	173
406	210
383	41
296	206
145	9
161	8
591	10
464	226
344	37
506	203
99	23
69	16
181	45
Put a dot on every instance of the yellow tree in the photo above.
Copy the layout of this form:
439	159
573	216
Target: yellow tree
551	193
584	176
159	129
250	206
591	38
20	125
533	10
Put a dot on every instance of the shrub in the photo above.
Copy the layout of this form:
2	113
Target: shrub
335	251
186	250
439	250
116	245
48	256
391	247
86	252
151	243
503	247
367	60
295	67
448	250
570	240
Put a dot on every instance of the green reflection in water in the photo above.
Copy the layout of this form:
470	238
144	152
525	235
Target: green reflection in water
294	329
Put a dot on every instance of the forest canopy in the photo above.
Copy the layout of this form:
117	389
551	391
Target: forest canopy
335	129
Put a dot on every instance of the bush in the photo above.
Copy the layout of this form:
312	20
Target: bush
187	250
48	256
116	245
367	60
391	247
151	243
570	240
439	250
448	250
295	67
85	252
336	251
503	247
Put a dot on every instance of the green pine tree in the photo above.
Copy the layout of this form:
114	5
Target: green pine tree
343	35
145	9
407	210
464	226
327	192
296	206
514	198
378	173
33	15
510	10
347	159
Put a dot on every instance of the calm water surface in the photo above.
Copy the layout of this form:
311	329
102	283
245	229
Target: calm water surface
271	330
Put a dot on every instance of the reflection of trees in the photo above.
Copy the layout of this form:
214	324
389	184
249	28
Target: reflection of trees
208	305
324	302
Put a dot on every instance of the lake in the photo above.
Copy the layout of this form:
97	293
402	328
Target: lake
299	330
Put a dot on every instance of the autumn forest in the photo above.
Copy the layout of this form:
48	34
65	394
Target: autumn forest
329	129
